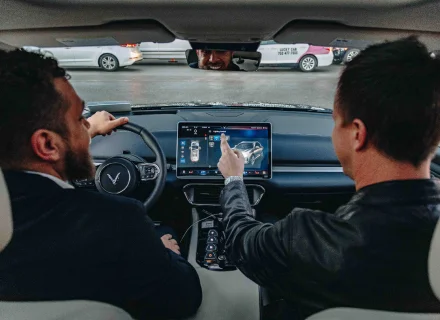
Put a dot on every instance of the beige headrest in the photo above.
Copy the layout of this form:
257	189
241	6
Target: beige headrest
434	261
5	214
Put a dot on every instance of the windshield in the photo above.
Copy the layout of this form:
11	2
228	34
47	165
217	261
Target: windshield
244	145
150	73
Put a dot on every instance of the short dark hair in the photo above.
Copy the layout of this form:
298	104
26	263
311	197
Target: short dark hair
394	88
28	101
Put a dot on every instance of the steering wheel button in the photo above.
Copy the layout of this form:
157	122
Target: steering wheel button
213	233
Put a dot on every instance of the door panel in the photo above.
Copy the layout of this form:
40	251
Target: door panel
268	51
291	53
64	55
87	56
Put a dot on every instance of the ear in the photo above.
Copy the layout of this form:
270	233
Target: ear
47	145
360	134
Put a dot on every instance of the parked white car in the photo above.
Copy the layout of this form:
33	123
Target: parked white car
165	52
109	58
302	55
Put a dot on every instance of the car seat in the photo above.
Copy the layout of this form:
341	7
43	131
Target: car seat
364	314
48	310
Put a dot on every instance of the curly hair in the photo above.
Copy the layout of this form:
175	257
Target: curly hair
394	88
28	101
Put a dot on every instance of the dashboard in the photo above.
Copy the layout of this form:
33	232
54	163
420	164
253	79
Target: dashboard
302	160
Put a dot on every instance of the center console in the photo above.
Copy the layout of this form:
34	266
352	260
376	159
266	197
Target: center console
211	253
198	151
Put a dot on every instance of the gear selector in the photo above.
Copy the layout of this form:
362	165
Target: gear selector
210	247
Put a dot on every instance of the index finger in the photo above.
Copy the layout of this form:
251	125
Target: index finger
224	144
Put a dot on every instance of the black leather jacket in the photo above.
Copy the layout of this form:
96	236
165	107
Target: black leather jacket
372	253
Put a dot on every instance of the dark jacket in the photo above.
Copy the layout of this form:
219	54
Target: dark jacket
372	253
78	244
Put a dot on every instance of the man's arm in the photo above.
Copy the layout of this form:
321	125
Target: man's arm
306	246
157	282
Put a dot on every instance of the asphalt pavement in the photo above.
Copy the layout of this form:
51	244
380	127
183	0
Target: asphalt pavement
163	83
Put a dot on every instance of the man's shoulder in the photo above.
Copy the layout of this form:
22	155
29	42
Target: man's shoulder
98	202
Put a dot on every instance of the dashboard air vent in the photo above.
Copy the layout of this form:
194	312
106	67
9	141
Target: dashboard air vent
209	194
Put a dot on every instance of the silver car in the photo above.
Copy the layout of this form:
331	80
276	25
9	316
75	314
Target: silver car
251	151
195	151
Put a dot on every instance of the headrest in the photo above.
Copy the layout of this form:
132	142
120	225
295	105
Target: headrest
5	214
434	261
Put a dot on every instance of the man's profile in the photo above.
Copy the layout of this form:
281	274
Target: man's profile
372	252
71	244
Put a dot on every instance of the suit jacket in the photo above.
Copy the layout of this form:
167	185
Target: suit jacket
79	244
371	253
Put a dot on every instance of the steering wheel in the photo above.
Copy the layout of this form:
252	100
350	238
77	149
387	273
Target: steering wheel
122	174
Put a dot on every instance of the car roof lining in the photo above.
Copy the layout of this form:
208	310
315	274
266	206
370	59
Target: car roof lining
44	22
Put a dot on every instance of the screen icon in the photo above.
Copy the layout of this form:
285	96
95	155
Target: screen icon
183	143
182	160
216	138
183	171
211	138
203	173
211	144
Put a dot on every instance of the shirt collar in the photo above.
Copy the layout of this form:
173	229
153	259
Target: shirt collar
61	183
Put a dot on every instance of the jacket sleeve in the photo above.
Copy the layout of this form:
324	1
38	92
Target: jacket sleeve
306	245
157	282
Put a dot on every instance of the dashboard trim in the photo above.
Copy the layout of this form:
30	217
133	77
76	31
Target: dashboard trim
307	169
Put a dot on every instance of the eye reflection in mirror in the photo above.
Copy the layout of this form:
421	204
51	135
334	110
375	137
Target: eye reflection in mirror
223	60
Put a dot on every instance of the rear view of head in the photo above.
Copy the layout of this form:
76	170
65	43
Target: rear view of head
387	102
41	124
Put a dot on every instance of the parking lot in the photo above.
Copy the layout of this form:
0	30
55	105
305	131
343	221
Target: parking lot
162	83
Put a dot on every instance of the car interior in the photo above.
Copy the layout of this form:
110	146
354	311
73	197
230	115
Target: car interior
298	168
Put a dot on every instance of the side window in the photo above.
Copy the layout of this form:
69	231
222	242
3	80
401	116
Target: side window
265	43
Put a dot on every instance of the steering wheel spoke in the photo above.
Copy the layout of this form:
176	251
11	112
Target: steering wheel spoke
148	171
122	174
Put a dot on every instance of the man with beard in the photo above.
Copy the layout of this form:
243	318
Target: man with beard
214	60
69	243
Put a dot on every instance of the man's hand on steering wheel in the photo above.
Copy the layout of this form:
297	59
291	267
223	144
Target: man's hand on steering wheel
103	123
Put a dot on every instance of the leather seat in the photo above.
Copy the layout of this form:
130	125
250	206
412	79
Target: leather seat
59	310
363	314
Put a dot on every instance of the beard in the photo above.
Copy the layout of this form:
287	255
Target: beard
78	164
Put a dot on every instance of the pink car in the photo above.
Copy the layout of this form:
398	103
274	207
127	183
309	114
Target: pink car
306	57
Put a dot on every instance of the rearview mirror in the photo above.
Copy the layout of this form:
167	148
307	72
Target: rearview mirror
223	60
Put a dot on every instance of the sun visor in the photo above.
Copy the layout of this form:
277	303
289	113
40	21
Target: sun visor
114	33
339	35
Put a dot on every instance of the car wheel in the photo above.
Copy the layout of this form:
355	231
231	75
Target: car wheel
252	160
108	62
350	54
308	63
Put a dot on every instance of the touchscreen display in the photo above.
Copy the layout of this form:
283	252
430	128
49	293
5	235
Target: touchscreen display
198	148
